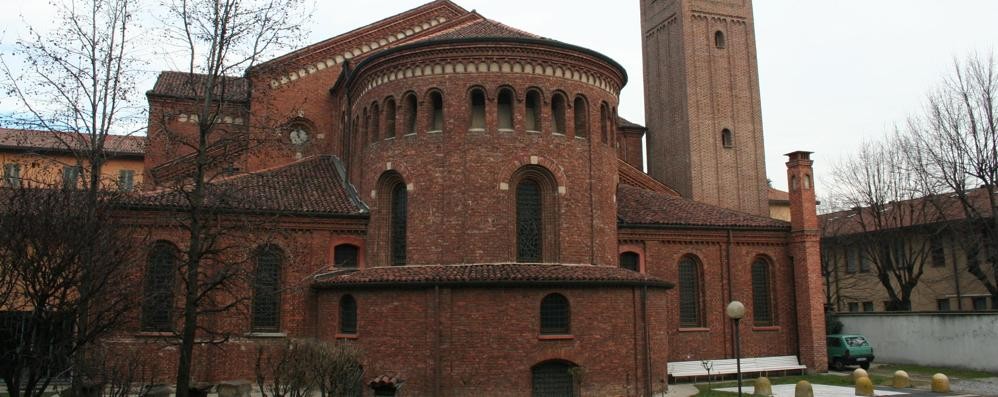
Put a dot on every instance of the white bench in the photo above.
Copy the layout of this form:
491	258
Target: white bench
764	365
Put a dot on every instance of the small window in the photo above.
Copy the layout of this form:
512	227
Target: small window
437	112
266	290
505	109
719	40
558	113
938	252
853	257
726	139
942	305
868	306
581	108
346	255
979	302
375	122
366	129
604	121
409	112
348	315
555	315
477	109
853	307
390	118
532	117
12	174
630	261
126	180
690	295
71	176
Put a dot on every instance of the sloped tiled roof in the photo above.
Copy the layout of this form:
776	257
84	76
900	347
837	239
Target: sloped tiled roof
636	206
632	176
187	85
501	273
49	141
778	196
945	207
314	185
624	123
485	28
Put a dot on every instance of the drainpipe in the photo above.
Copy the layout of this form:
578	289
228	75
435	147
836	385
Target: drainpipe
436	341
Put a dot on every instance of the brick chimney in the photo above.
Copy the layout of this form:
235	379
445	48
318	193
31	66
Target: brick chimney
806	255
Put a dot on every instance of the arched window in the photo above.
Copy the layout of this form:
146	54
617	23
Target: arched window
604	122
552	379
348	315
366	127
630	261
266	289
399	208
762	297
361	138
581	108
346	255
375	122
157	302
558	113
690	294
532	116
504	111
409	112
556	315
529	222
727	140
719	40
436	112
390	118
478	109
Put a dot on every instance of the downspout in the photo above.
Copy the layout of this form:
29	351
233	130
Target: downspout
436	341
727	261
644	321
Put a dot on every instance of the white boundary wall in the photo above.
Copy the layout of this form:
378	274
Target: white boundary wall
965	340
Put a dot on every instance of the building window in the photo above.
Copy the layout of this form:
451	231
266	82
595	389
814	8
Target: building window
853	307
399	223
581	108
478	109
762	299
942	305
864	261
348	315
366	131
504	112
12	174
719	40
346	255
409	111
436	112
690	294
604	121
266	289
71	176
157	302
390	118
727	140
558	113
868	306
938	252
532	117
630	261
552	379
555	315
529	222
375	122
126	180
852	259
979	302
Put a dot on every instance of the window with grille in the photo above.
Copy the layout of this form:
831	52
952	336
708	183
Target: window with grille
266	290
552	379
398	224
630	261
529	222
346	255
690	312
12	174
157	302
348	315
555	315
762	299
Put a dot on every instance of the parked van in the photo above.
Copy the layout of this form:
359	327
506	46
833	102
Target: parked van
849	350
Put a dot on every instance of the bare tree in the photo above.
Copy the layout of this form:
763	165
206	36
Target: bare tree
298	368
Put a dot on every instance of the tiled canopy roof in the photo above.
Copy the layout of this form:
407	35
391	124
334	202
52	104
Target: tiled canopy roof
502	273
485	28
32	140
637	206
186	85
313	186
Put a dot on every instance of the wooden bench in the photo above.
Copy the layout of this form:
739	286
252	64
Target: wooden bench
754	365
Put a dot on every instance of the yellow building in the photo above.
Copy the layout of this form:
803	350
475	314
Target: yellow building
49	159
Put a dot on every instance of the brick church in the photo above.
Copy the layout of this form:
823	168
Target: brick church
459	199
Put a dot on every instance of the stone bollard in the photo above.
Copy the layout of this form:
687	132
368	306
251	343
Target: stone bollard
234	388
763	387
864	387
859	373
901	380
940	383
804	389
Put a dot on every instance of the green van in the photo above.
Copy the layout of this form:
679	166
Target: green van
849	350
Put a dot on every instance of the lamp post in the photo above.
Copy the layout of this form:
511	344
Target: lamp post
735	311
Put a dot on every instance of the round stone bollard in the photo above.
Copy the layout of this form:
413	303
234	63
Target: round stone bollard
804	389
940	383
763	387
901	380
864	387
859	373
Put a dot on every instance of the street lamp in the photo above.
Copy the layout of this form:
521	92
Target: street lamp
735	311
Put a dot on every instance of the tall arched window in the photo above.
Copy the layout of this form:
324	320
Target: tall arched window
157	302
552	379
399	208
436	112
581	108
477	109
630	261
690	294
604	121
348	315
375	122
558	113
719	40
346	255
762	297
532	116
390	118
504	111
409	111
529	222
366	128
556	315
266	289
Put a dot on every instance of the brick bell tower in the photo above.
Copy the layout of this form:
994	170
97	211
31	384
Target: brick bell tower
702	101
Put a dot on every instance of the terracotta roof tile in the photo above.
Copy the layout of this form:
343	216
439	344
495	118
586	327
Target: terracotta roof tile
632	176
500	273
188	85
778	195
637	206
624	123
33	140
485	28
922	211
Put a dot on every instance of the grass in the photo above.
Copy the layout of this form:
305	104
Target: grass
928	371
820	379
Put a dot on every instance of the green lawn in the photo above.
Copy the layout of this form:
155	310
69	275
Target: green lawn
821	379
926	371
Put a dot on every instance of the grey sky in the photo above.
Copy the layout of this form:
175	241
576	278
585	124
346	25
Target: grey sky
832	72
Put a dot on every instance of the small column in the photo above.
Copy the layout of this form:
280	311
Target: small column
805	249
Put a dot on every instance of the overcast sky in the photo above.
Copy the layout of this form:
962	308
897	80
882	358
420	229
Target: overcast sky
832	72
